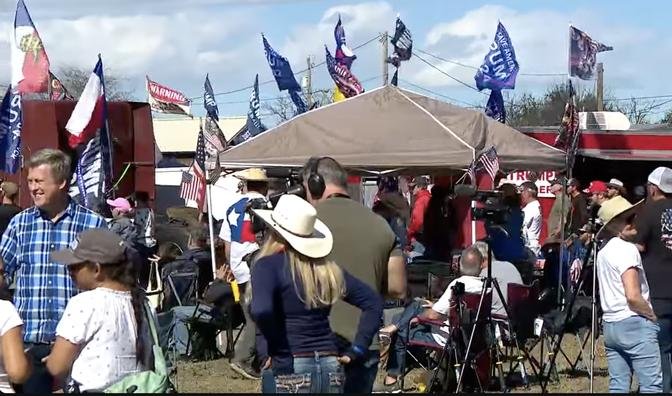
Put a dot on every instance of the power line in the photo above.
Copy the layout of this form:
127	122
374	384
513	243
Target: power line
446	74
638	98
470	105
377	37
476	68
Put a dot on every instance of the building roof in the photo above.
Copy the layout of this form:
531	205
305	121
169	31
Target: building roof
175	135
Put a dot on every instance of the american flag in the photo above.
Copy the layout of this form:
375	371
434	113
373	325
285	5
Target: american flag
193	188
490	162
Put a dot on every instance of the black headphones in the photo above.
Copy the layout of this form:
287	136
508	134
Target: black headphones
316	185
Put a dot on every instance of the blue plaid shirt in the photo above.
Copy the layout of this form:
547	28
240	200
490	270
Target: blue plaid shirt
43	287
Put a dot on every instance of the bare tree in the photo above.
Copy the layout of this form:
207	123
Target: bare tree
282	108
667	118
74	79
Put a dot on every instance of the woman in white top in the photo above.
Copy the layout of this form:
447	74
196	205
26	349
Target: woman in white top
97	339
14	365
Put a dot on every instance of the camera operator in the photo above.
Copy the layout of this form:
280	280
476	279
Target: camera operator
241	242
366	247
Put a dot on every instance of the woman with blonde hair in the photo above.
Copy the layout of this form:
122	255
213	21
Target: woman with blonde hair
294	286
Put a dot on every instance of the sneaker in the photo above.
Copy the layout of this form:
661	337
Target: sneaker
245	370
395	387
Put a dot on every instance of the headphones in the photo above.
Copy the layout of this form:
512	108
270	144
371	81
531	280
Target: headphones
315	182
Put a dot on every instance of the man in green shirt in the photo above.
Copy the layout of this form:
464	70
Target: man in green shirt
366	247
557	213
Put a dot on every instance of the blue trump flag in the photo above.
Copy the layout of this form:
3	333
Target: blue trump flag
253	127
281	69
209	101
11	117
495	107
500	67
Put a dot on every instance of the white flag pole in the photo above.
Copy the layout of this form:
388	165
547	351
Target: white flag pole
208	196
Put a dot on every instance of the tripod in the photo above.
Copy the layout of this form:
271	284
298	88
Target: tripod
591	255
488	283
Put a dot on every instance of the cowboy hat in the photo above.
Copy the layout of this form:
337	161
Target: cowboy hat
296	221
252	174
615	225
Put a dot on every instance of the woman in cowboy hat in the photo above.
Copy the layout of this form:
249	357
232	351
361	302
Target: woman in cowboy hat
293	289
630	325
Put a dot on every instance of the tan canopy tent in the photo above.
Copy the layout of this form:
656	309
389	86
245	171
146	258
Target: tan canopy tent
392	129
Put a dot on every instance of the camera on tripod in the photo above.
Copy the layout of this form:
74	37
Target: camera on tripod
458	289
493	211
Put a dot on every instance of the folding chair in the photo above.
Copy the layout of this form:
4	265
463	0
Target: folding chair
522	303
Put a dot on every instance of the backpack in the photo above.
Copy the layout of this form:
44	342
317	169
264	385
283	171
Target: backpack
149	381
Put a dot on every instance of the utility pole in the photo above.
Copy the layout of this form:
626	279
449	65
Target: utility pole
309	83
600	87
384	39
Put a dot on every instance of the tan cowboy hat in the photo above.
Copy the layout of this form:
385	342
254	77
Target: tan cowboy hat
296	221
252	174
615	225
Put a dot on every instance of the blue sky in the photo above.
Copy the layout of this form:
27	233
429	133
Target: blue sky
177	42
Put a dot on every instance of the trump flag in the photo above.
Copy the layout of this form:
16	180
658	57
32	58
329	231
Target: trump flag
29	61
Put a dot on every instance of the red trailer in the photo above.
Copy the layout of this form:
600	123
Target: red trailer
132	136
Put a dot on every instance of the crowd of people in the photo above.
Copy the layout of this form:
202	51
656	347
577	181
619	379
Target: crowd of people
313	276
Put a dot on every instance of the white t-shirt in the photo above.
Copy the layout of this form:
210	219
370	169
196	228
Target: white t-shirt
237	230
9	319
472	284
532	226
505	273
102	323
613	260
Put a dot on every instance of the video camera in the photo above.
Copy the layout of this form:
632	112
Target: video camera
493	211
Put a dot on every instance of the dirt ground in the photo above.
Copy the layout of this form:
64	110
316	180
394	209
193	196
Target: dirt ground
216	376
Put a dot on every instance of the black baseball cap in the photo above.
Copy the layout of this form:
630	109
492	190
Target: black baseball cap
95	245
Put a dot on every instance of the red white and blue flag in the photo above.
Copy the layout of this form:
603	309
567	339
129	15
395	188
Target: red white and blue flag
30	64
87	128
193	182
343	54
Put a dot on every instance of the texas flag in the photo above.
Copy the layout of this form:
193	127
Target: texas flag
30	64
89	113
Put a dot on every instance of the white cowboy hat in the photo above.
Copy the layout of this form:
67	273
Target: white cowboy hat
612	227
252	174
296	221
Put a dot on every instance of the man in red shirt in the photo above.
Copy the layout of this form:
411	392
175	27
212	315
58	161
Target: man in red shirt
421	197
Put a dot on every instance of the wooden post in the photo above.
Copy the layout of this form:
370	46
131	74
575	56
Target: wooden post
599	94
384	39
309	83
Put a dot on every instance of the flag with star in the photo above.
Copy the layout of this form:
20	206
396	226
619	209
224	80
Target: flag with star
193	188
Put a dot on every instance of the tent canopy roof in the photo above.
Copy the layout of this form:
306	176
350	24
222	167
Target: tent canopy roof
392	129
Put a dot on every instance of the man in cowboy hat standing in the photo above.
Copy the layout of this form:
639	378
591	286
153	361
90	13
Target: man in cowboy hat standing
630	329
654	240
240	242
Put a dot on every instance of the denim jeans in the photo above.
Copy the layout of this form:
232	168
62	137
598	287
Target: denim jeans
397	361
662	309
361	374
311	375
40	381
632	344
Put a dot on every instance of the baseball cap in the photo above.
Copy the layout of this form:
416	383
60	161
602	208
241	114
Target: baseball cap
421	181
661	177
596	186
96	245
120	203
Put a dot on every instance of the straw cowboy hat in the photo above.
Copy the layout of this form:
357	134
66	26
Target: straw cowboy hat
252	174
615	225
618	185
296	221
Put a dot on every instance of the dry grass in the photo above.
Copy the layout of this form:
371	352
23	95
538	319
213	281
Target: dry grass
216	376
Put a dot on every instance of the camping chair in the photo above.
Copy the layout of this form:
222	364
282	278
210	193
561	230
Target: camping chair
522	303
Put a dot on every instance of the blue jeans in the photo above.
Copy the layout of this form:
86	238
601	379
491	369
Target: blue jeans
632	344
665	343
397	361
361	374
311	375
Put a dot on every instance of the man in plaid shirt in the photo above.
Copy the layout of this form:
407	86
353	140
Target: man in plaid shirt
43	287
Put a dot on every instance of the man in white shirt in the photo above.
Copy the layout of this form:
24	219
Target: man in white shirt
630	324
240	242
470	267
504	272
532	216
